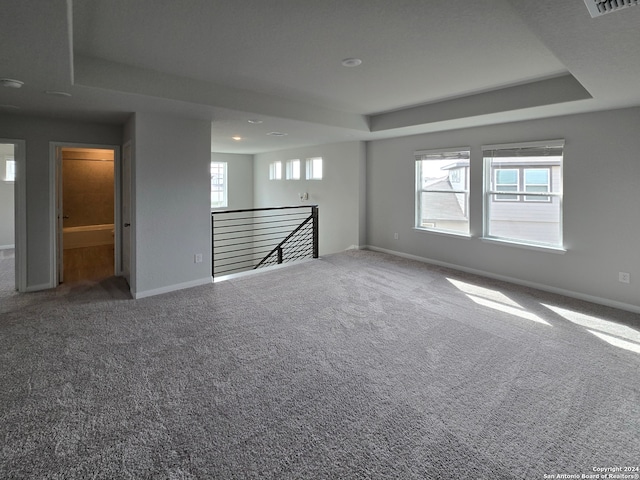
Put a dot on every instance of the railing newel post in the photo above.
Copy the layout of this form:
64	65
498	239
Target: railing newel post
314	213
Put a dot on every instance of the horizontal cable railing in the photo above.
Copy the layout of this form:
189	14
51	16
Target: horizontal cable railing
259	237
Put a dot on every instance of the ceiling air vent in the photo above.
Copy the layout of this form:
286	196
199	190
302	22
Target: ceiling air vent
600	7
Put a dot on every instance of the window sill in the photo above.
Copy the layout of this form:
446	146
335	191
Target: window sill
527	246
442	232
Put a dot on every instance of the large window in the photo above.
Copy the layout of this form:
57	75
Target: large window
442	190
523	193
218	184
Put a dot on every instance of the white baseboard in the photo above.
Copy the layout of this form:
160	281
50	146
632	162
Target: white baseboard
172	288
546	288
7	247
38	288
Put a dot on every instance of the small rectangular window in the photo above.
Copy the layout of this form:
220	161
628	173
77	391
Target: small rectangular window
314	168
523	193
442	190
10	169
275	171
219	184
293	170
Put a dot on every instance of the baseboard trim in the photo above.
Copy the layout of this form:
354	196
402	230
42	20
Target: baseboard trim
545	288
7	247
172	288
38	288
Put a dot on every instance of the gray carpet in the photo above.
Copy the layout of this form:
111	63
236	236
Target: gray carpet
357	365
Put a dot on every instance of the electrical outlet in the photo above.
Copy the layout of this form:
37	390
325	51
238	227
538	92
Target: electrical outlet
197	258
395	236
624	277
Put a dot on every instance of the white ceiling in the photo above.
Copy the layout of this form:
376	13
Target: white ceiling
427	65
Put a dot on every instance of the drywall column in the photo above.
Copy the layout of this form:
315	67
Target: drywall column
172	203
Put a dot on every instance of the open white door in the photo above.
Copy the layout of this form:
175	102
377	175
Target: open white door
59	216
126	212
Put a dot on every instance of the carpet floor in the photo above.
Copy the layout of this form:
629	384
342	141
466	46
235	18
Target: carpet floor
356	365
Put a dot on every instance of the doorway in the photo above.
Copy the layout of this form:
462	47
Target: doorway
87	246
8	277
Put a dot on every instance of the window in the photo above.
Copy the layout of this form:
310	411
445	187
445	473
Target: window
218	184
523	193
293	170
507	180
10	169
275	171
442	190
314	168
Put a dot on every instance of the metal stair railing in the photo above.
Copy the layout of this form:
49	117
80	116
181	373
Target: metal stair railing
254	238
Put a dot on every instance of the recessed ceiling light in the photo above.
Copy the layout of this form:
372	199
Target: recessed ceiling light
255	121
351	62
10	83
57	93
237	137
277	134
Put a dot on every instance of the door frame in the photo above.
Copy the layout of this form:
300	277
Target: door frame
55	194
20	212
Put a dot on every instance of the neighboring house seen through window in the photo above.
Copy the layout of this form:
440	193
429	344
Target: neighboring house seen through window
218	185
442	190
523	193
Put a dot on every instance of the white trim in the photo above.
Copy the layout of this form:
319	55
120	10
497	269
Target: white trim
446	233
441	150
20	212
172	288
528	246
270	268
538	286
7	247
540	143
37	288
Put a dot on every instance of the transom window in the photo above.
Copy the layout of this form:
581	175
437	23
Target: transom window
219	184
10	169
314	168
275	171
523	193
442	190
293	169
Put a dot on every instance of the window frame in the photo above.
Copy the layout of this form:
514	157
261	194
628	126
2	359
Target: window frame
420	189
490	192
225	181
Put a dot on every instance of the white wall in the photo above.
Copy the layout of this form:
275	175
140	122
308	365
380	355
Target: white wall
601	205
7	225
239	178
339	195
172	203
37	133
